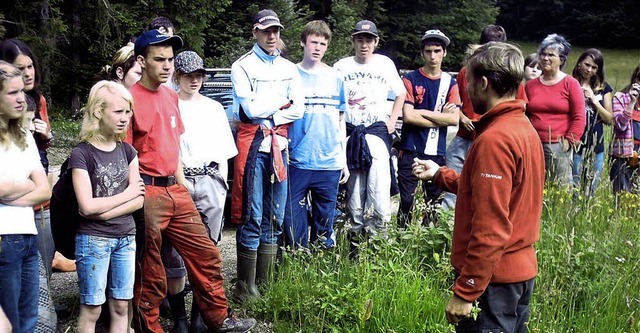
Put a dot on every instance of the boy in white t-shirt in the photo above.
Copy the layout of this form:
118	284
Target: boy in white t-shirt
369	79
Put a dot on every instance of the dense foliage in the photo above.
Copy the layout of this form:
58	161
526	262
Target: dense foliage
74	39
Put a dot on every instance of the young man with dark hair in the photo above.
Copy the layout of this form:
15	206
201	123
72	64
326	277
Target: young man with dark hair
267	96
369	80
499	204
431	105
169	210
317	157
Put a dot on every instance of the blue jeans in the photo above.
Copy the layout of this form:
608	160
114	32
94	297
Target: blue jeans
587	174
267	203
456	154
105	264
504	308
323	185
19	281
45	239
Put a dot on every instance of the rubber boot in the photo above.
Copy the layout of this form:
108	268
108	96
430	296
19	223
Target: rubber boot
197	324
179	313
246	288
266	262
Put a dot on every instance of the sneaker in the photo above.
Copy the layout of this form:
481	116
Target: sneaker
235	324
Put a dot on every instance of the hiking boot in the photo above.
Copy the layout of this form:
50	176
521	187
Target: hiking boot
235	324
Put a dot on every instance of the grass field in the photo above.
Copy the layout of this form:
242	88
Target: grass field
588	258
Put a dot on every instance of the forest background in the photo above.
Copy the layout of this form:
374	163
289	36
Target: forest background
74	39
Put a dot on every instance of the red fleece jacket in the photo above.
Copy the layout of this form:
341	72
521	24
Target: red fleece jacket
499	202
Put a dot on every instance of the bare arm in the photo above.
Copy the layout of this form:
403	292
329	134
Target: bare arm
131	205
605	111
40	192
414	117
90	206
12	190
428	118
448	117
396	111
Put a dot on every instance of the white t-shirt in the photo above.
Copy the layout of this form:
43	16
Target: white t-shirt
368	88
18	165
207	135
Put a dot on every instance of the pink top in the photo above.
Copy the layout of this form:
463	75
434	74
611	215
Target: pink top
557	110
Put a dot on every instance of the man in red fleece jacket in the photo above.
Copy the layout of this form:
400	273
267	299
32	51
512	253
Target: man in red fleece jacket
499	204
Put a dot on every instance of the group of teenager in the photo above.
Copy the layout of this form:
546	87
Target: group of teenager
150	185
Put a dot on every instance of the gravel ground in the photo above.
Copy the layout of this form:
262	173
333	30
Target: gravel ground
64	288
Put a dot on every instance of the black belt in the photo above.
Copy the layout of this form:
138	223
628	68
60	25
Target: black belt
158	181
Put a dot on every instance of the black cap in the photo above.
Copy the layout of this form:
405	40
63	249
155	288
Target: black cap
266	18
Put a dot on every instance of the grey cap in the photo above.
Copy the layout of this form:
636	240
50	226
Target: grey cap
436	34
365	27
188	62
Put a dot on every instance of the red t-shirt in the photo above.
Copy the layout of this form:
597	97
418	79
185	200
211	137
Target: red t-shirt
155	130
558	110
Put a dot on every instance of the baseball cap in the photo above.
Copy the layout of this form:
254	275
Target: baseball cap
437	34
365	27
154	37
188	62
266	18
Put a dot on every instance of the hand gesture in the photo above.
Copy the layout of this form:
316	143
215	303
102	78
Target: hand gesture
41	127
424	169
634	91
467	123
344	176
136	189
457	309
588	93
449	108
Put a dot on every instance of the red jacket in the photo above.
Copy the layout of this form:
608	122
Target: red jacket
499	204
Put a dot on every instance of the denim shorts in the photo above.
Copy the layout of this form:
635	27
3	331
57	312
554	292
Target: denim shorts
105	262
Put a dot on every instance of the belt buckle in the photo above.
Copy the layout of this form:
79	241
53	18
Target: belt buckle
171	180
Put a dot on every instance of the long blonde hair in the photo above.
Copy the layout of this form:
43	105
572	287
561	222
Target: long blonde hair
11	129
98	101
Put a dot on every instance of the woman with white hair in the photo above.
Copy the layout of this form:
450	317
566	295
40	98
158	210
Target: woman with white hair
556	109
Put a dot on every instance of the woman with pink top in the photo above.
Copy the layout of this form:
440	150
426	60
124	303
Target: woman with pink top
556	109
626	137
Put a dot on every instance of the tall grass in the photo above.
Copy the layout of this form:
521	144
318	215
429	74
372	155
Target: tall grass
588	281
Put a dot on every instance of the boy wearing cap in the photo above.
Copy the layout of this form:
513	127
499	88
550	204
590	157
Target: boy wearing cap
431	105
205	169
317	160
267	96
169	210
369	79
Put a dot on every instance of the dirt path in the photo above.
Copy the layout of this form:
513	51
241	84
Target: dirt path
64	288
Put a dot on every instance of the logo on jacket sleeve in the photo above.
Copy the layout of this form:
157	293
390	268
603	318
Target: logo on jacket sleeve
471	283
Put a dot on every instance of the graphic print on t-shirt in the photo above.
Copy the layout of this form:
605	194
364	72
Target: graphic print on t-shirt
111	177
